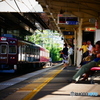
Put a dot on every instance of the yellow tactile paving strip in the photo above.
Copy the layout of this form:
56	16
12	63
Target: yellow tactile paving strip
30	90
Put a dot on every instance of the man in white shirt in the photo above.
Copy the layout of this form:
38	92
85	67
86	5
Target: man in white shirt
89	47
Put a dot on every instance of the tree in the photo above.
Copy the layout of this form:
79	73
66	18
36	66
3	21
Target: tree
46	39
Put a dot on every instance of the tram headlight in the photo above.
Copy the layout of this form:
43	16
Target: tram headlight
3	38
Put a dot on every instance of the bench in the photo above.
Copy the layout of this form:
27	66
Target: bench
95	70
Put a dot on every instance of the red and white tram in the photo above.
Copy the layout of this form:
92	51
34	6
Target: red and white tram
16	54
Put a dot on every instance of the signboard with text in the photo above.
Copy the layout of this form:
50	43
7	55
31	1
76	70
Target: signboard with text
67	20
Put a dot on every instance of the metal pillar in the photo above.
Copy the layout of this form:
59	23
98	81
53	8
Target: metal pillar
75	47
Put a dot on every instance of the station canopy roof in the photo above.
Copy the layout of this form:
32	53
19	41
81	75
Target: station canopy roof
55	14
89	10
24	15
20	6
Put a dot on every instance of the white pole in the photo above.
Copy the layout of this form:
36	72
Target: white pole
79	42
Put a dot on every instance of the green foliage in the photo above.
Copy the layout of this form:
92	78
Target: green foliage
45	39
36	38
55	55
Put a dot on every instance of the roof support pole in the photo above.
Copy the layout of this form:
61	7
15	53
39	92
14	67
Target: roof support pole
75	47
79	42
97	23
97	32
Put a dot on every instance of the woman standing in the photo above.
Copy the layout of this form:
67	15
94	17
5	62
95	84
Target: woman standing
65	55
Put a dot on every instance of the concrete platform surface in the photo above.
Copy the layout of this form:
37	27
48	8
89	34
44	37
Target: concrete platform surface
60	89
65	92
56	87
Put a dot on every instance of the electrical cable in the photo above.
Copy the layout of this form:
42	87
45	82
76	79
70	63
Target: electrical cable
34	10
19	8
11	6
17	5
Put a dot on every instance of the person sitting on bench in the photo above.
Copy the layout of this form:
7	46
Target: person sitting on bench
85	68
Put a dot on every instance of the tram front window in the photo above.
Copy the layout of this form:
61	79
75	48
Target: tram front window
3	49
12	49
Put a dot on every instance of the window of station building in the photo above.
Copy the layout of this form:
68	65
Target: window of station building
12	49
3	49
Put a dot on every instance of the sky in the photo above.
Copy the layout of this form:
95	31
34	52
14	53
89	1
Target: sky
20	6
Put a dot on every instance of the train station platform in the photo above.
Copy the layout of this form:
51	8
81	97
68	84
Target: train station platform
52	84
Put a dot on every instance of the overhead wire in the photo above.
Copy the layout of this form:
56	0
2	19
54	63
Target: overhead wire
30	9
11	6
34	10
17	5
27	6
19	8
52	16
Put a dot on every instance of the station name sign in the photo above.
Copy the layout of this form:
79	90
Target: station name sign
68	20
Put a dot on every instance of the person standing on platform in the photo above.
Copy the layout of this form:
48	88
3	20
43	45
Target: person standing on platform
85	53
50	61
84	49
70	54
89	47
65	55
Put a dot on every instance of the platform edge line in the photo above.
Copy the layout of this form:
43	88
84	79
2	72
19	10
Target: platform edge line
34	92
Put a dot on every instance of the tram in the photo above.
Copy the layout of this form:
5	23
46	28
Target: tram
17	54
